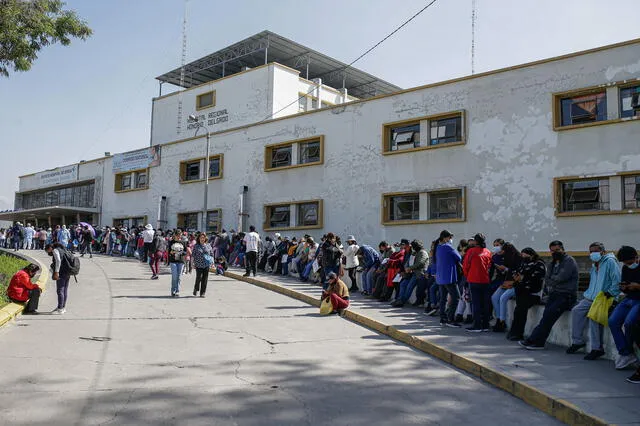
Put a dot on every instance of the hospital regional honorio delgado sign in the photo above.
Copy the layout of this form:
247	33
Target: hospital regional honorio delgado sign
212	118
136	160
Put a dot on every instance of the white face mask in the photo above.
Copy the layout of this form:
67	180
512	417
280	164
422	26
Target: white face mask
496	249
633	265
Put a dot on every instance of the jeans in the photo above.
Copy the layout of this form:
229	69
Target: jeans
202	275
553	310
367	279
523	304
422	284
447	313
626	314
579	320
500	300
304	275
481	304
176	276
285	267
406	288
62	287
252	257
434	299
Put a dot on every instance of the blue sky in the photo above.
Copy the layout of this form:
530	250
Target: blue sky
79	101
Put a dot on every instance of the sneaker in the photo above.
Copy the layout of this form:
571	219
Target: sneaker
195	293
530	346
443	322
155	277
623	361
515	338
34	312
246	275
635	378
575	348
431	313
593	355
177	294
500	327
474	330
454	325
202	295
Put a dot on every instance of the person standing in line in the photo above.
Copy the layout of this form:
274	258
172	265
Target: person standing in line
158	247
447	263
477	262
201	250
147	237
42	238
60	275
251	240
87	240
29	233
63	237
177	252
351	260
15	236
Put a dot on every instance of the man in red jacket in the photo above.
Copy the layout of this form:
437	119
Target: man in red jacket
477	262
22	290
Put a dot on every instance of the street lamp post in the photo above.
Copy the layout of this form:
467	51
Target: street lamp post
194	119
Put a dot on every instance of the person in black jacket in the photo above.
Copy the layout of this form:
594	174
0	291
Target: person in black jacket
528	280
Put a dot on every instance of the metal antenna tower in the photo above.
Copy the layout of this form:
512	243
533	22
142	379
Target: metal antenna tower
183	63
473	36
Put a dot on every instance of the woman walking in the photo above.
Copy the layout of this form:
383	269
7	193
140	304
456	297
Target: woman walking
177	252
158	247
202	255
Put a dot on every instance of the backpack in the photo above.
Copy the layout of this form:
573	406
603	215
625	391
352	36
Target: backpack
70	263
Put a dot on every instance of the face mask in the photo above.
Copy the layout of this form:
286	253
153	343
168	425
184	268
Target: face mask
526	259
595	257
633	265
496	249
557	255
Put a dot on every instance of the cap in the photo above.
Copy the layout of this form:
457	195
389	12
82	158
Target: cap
332	276
404	241
351	238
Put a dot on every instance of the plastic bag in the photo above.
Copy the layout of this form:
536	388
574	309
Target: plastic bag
326	307
315	266
397	278
599	311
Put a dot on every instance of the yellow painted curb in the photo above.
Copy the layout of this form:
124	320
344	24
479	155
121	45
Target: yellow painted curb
12	310
555	407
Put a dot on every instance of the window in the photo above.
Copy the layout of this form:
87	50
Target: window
130	222
583	109
446	130
308	152
293	215
314	103
630	102
584	195
138	221
141	180
404	207
126	181
77	196
441	205
307	214
188	221
423	133
302	103
445	205
192	171
214	220
631	192
214	167
119	223
206	100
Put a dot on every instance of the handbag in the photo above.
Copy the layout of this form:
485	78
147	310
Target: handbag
325	306
599	311
208	260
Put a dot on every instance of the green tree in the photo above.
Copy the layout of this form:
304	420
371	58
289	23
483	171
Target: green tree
26	26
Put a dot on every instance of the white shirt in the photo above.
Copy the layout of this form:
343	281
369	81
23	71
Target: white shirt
251	240
147	235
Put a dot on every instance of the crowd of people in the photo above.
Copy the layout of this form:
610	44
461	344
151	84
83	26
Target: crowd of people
471	283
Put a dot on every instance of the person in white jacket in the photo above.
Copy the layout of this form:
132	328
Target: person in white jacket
147	238
351	260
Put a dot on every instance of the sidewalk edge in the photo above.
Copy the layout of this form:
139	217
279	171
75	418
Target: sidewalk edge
555	407
12	310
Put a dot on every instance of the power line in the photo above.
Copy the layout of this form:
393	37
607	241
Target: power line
359	57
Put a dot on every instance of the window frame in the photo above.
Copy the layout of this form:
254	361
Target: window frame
129	220
181	220
199	107
266	225
294	144
622	87
385	205
388	127
133	176
218	222
202	166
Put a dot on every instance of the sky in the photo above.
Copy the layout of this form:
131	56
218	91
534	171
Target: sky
94	96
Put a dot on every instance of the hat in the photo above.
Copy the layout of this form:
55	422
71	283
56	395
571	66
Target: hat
404	241
332	276
351	238
149	226
294	239
445	234
277	235
286	238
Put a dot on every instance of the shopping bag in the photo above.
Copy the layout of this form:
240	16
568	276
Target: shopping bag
315	266
284	258
397	278
599	311
326	307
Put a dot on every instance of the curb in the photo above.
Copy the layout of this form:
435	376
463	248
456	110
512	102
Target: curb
555	407
12	310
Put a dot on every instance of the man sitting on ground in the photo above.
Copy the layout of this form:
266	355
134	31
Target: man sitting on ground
338	292
22	290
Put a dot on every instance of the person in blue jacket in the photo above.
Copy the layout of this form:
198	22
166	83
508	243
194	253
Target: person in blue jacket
371	263
447	263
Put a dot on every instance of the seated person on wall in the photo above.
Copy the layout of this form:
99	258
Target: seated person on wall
414	269
500	299
562	282
22	290
338	292
528	281
311	256
380	276
393	267
627	312
605	277
371	261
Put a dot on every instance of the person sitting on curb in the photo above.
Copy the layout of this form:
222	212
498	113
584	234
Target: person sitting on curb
338	292
528	281
605	277
627	313
412	272
22	290
562	282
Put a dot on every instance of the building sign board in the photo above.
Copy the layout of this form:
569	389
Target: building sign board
212	118
135	160
58	176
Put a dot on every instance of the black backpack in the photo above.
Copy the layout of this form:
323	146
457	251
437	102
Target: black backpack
70	264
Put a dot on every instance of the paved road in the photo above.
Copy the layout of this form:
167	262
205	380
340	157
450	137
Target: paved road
127	353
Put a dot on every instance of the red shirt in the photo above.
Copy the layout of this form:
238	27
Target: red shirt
477	262
19	286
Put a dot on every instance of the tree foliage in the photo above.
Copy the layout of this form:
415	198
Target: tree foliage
26	26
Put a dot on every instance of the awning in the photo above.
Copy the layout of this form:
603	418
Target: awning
54	211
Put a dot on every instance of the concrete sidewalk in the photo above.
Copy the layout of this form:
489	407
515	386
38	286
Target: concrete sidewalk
559	381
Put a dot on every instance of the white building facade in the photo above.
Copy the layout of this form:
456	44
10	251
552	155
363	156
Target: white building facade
532	153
